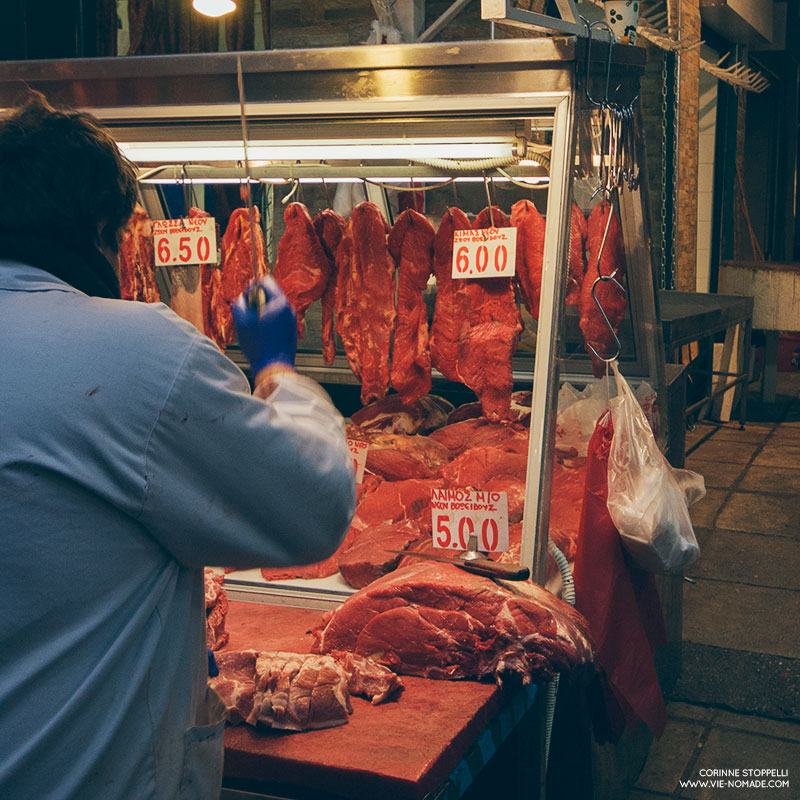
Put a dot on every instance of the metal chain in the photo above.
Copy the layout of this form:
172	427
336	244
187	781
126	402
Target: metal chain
676	131
662	275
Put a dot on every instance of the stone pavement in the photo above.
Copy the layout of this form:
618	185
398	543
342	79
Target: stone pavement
736	705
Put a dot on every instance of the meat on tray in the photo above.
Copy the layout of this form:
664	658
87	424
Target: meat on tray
329	227
478	465
398	456
530	226
438	621
611	297
372	552
297	691
411	245
392	501
365	289
236	260
137	259
302	268
475	432
394	415
577	256
521	402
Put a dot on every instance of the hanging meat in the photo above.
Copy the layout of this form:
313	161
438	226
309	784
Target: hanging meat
530	226
365	288
330	228
452	300
302	269
411	246
576	268
216	317
490	336
137	259
236	259
610	295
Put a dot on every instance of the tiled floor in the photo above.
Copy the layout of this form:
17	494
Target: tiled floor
736	706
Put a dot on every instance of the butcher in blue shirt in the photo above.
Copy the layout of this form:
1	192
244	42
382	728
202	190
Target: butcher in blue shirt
132	454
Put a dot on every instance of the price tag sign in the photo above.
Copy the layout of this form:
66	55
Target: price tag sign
359	452
485	253
458	513
179	242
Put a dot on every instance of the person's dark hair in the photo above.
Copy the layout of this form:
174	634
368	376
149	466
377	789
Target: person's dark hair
61	168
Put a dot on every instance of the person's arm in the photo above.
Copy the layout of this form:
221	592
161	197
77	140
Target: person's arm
241	480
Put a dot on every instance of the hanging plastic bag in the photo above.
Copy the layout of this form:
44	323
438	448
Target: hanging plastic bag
648	500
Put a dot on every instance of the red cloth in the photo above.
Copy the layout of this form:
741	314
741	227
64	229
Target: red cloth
622	607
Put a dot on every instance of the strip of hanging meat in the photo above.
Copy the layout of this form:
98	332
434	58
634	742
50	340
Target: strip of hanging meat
530	226
302	269
365	288
137	259
411	246
330	228
611	297
577	256
236	258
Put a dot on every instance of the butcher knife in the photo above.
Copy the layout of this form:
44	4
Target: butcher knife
479	565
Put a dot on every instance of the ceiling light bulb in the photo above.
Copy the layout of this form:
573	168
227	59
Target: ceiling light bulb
214	8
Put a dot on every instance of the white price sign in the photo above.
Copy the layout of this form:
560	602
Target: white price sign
359	452
179	242
485	253
458	513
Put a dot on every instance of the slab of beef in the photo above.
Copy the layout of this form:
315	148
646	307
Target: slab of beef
490	335
452	301
438	621
411	245
236	261
137	259
461	436
530	227
577	256
297	691
478	465
394	415
329	227
369	556
397	456
514	487
566	504
365	310
302	269
216	609
610	296
392	501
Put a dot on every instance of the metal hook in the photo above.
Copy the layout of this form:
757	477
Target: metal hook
296	184
590	26
488	200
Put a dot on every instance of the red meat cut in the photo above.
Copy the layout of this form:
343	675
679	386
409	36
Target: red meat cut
236	260
438	621
329	227
475	432
392	501
370	556
216	609
365	310
398	456
302	269
611	297
137	259
297	691
530	226
393	415
411	245
577	256
478	465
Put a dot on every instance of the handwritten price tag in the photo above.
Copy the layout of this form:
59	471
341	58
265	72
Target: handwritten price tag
458	513
485	253
359	452
180	242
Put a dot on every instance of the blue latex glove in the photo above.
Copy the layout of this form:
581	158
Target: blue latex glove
266	325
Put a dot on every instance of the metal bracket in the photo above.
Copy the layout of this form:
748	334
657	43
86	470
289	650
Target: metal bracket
509	13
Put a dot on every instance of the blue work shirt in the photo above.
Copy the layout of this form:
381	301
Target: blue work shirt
132	454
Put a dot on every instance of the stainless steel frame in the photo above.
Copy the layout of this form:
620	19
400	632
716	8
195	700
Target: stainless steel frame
363	88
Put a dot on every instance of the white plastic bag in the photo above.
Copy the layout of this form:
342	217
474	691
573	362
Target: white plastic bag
648	500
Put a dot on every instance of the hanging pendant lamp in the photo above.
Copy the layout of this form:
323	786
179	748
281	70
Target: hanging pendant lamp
214	8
